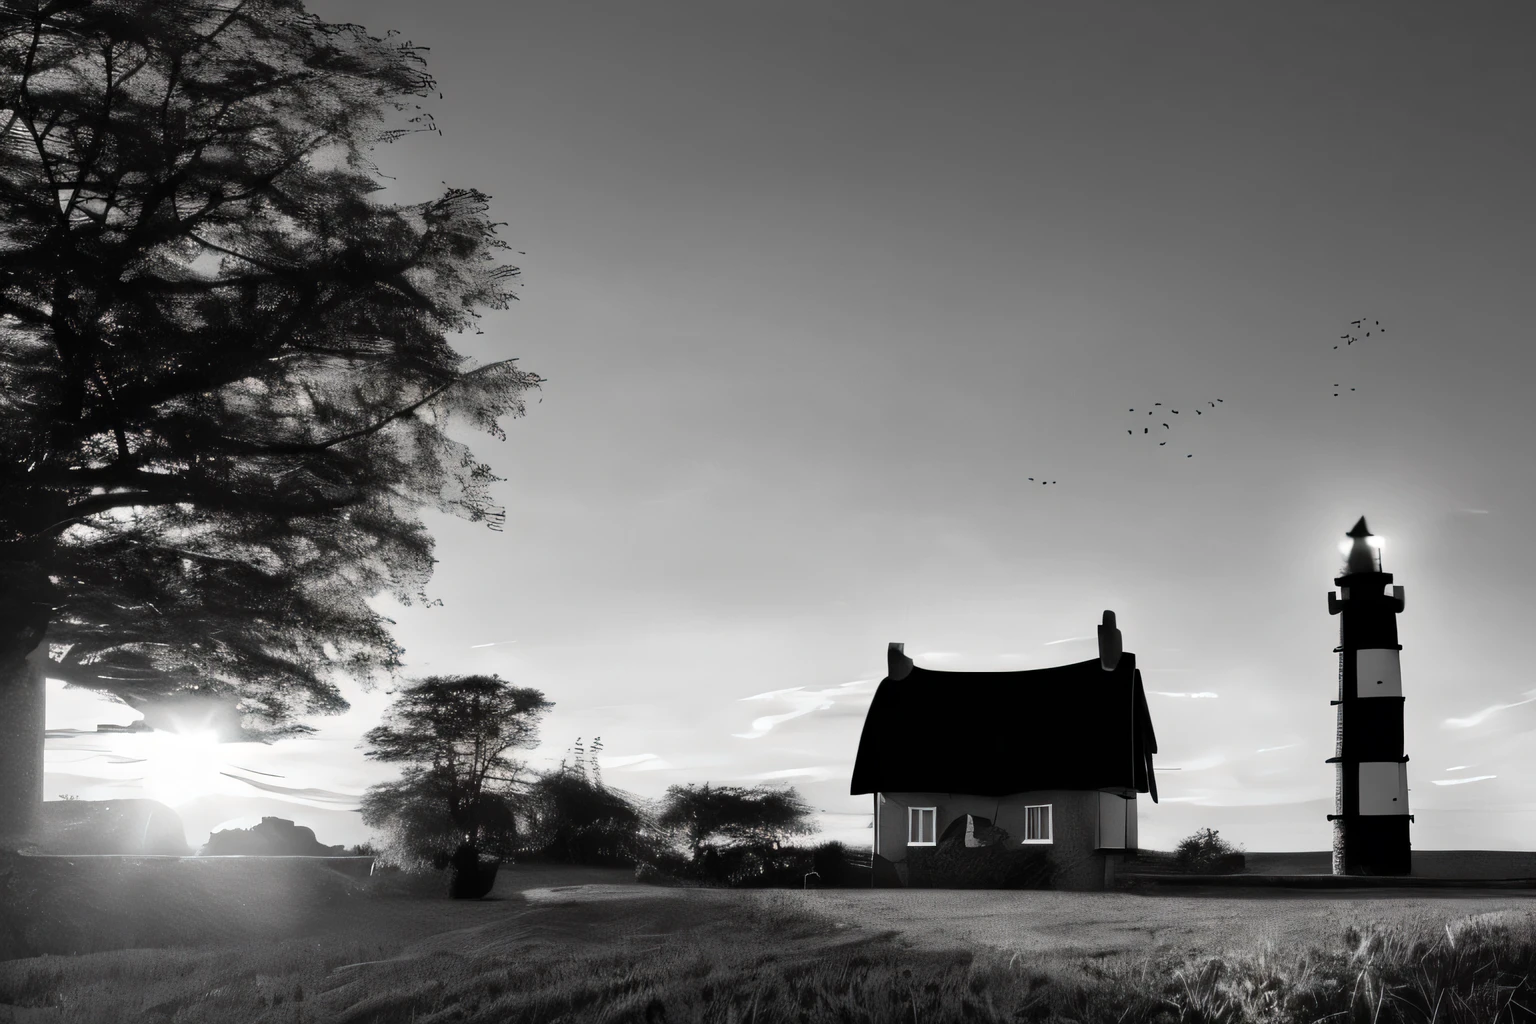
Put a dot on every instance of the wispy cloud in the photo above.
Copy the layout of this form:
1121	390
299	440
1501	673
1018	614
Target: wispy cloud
815	773
1200	695
938	655
1068	640
307	793
652	764
1481	716
497	643
1458	768
1265	750
625	761
1457	782
802	701
1476	511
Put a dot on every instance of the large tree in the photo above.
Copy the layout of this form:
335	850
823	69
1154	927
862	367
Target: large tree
225	373
452	734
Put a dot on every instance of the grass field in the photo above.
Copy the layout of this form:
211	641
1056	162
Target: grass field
588	944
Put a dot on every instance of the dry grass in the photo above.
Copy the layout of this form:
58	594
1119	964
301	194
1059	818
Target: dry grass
558	944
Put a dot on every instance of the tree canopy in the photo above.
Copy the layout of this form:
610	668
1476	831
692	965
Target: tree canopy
571	817
225	372
452	733
746	817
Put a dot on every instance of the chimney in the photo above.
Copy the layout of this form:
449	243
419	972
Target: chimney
897	664
1109	643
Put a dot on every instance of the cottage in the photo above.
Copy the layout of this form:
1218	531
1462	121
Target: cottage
1053	756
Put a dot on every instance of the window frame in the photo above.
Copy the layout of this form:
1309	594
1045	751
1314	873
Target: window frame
1050	826
934	831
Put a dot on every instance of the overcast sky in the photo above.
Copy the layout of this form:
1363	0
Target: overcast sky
818	287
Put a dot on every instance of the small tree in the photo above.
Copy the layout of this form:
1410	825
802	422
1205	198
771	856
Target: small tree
455	795
1207	852
570	817
756	817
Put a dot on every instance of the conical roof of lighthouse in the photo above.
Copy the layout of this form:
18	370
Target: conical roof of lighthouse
1361	557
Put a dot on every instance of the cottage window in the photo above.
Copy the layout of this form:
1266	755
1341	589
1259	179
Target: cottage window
1037	823
920	822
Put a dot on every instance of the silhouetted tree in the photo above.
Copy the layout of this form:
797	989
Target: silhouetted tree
456	791
572	818
756	817
225	375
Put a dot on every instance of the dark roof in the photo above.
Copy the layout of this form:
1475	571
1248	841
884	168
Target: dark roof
995	733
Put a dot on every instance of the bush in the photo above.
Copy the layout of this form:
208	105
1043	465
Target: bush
663	867
1205	853
992	865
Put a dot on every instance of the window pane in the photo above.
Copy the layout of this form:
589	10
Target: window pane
928	826
912	825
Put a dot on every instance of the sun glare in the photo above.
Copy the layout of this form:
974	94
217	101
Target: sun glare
182	766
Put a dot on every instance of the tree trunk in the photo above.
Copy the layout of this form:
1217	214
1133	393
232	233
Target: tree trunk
23	711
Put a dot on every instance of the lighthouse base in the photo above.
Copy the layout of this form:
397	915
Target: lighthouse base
1372	844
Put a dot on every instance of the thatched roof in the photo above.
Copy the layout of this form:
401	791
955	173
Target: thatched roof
996	733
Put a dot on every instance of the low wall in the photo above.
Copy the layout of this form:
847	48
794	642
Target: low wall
1426	864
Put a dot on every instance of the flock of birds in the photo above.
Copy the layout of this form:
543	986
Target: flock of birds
1362	328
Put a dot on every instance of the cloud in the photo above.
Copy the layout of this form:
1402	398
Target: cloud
1201	695
320	796
655	764
1458	768
1068	640
1457	782
625	761
1265	750
815	773
938	655
1475	511
763	726
802	701
1481	716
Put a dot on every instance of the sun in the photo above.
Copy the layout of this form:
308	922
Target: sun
182	765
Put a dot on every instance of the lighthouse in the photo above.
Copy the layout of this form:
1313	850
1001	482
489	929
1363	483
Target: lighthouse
1370	823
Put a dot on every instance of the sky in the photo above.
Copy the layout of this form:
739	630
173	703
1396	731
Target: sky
818	287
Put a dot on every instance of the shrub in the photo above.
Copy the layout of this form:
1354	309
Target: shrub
1206	853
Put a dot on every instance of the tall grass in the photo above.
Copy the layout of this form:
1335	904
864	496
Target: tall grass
781	968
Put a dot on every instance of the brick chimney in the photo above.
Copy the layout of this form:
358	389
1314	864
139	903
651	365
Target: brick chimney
1109	643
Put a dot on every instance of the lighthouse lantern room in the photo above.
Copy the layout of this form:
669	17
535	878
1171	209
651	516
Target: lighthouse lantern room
1370	826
